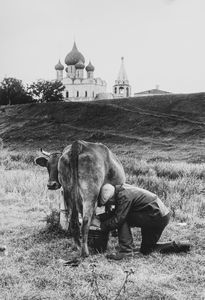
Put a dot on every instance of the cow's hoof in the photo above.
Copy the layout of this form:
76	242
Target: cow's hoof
84	254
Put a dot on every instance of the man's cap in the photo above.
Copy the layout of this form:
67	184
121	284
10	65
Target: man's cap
107	192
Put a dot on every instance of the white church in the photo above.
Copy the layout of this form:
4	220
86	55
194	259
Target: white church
82	87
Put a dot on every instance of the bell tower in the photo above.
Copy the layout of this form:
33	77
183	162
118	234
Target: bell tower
121	88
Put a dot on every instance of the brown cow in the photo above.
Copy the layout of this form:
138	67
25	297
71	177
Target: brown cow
82	169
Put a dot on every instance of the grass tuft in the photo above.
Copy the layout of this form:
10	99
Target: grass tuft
53	220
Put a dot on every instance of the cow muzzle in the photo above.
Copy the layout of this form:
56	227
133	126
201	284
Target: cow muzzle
53	185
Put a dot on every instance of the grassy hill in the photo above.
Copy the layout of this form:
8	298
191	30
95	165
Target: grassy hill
166	122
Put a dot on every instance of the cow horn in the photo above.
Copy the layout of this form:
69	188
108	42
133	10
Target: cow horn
45	153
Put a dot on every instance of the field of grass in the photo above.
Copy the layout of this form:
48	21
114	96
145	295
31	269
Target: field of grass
32	270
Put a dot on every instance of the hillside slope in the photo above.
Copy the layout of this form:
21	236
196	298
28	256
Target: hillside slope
163	121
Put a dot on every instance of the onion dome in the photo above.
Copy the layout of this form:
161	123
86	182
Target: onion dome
79	65
59	66
90	67
74	56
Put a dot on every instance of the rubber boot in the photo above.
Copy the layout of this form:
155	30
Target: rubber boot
173	247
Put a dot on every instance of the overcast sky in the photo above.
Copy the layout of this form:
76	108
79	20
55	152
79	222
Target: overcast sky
162	41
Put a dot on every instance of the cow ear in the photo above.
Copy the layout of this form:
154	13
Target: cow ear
41	161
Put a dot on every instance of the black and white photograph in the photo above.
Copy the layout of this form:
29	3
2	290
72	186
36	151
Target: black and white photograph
102	150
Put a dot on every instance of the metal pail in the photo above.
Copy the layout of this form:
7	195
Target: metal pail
97	240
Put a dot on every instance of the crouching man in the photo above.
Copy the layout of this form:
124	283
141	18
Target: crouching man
136	207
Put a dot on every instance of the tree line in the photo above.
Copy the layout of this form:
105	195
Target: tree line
12	91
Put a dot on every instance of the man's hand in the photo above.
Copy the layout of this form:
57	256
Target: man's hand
95	224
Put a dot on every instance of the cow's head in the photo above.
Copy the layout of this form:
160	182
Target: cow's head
51	163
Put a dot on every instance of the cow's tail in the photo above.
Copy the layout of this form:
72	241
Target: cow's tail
76	149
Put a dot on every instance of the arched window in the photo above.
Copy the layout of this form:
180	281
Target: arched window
121	90
67	94
86	94
77	94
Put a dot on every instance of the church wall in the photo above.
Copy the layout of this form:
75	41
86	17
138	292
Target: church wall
82	91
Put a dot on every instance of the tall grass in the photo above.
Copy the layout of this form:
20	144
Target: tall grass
23	186
179	184
15	160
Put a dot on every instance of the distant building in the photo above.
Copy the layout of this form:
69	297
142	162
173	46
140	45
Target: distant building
76	86
151	92
121	88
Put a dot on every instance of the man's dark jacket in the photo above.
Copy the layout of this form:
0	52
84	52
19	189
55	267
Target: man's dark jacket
134	203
